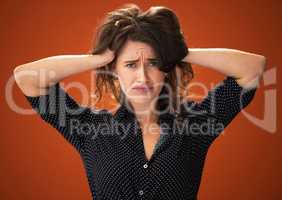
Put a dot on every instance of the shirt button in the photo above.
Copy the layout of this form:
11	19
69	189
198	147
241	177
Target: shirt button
141	192
145	166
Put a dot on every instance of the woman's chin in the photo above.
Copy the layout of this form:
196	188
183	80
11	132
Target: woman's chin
141	100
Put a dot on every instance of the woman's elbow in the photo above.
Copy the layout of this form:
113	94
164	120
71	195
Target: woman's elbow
16	72
262	65
255	74
259	66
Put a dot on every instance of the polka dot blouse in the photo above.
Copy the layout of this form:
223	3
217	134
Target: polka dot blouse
112	149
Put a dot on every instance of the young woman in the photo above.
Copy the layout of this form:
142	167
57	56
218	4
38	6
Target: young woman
155	145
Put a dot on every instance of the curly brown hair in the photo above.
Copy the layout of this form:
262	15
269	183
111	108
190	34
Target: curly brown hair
159	27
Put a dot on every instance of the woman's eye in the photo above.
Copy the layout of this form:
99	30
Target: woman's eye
154	63
130	65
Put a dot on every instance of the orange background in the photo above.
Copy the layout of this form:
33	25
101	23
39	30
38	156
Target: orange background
36	163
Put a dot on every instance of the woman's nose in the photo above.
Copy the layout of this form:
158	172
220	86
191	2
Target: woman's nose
142	74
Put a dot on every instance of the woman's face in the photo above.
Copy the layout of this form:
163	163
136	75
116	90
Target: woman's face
138	72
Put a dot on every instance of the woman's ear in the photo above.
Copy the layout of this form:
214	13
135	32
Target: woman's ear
114	71
178	72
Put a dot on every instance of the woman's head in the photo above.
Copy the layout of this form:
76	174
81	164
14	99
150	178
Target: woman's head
153	40
137	68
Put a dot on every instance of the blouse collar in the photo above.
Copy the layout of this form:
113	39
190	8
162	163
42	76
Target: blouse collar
125	113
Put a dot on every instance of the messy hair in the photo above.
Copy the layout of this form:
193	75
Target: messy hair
159	27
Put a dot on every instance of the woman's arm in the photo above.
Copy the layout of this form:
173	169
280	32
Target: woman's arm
54	105
246	67
36	77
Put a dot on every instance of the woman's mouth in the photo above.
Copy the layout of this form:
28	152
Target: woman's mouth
143	88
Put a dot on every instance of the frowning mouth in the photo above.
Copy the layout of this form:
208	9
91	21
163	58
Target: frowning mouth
143	88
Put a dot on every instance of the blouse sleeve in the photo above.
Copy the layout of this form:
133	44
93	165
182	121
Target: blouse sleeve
221	104
61	111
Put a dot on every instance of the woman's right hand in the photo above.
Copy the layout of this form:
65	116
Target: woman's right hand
104	58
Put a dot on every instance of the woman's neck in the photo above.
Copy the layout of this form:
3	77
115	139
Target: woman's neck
144	114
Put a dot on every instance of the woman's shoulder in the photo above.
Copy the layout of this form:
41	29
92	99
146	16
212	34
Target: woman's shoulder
98	112
188	106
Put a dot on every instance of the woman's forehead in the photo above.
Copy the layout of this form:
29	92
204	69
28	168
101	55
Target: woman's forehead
134	50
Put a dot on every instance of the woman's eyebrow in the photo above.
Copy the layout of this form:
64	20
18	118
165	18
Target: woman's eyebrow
135	60
153	59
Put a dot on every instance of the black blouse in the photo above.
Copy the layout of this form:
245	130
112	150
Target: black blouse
111	145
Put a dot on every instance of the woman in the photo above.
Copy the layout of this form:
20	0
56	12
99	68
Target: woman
154	146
